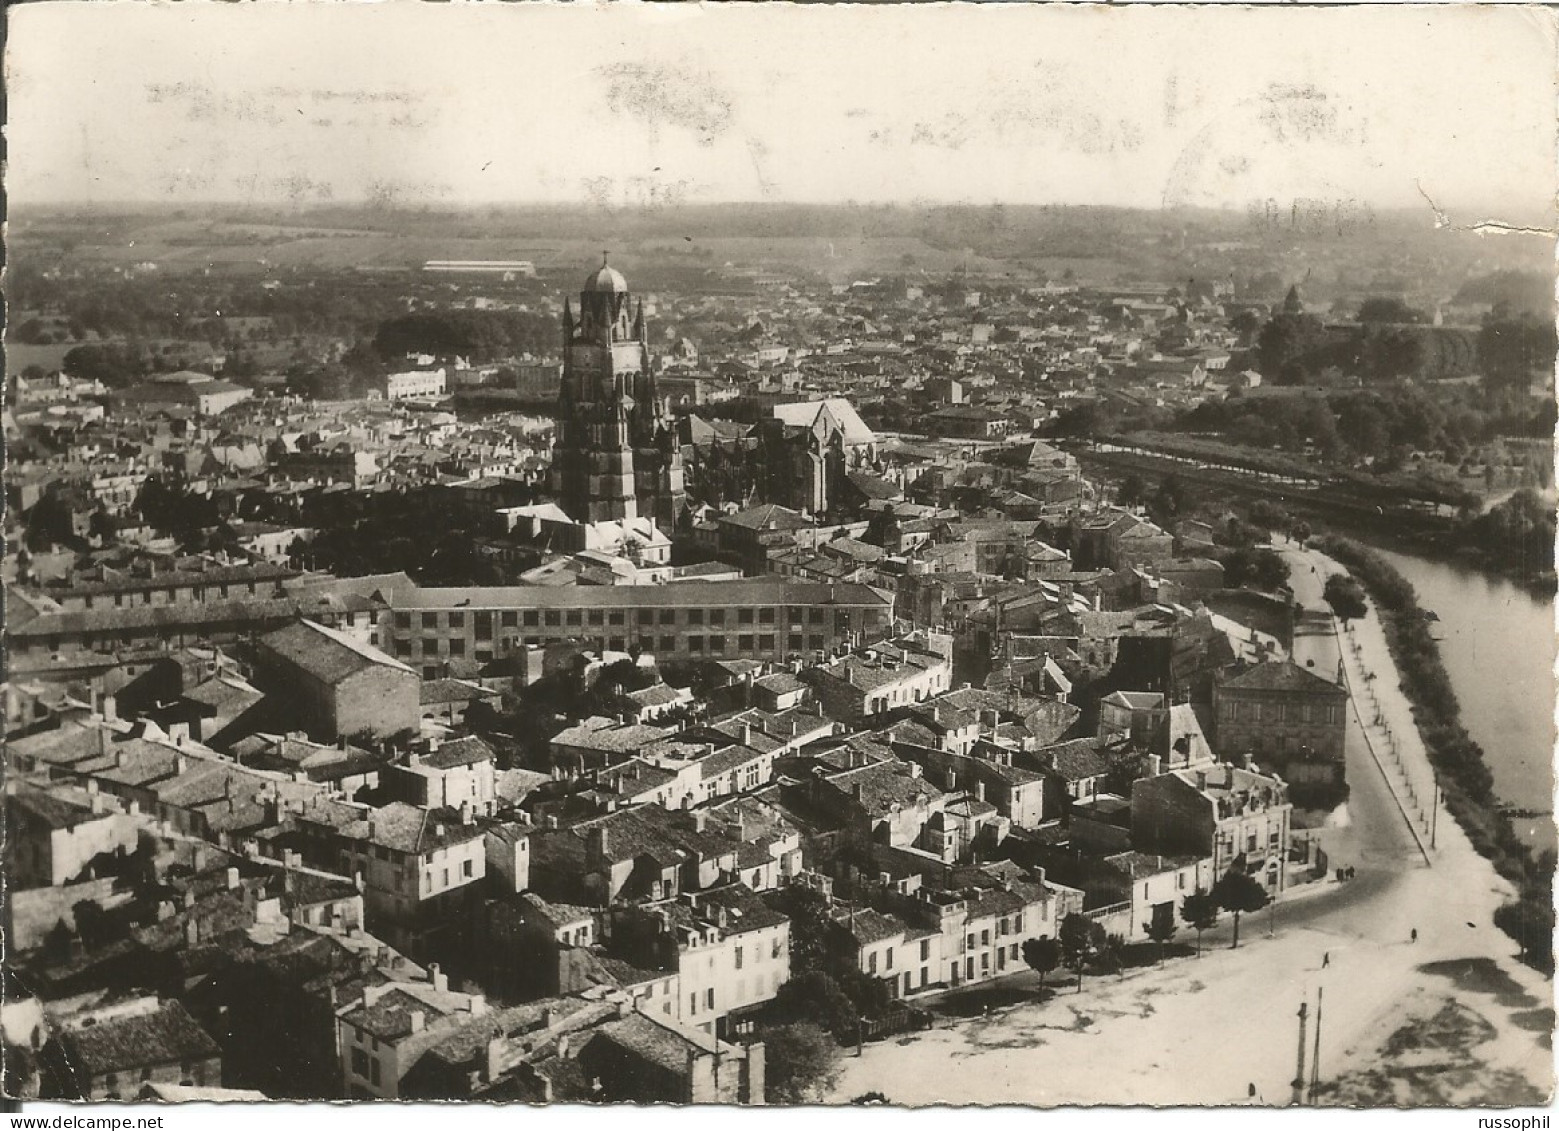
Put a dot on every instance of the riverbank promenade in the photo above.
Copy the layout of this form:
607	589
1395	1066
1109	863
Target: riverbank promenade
1410	940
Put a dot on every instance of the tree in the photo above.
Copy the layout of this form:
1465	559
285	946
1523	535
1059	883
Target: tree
814	997
1131	490
102	525
1081	940
1301	533
1268	570
1171	500
1043	956
1345	596
1161	930
1289	346
1200	911
801	1063
1267	515
1237	892
1113	953
1257	566
1388	310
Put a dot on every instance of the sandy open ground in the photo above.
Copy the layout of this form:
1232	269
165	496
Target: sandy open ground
1453	1018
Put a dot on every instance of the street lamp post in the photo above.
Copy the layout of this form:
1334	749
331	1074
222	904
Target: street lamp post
1299	1073
1434	819
1315	1056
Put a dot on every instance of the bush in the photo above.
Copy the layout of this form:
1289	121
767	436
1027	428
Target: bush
1530	921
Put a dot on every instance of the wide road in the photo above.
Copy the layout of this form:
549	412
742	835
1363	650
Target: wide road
1203	1031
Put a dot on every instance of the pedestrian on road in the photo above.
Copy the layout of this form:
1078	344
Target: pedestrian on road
1414	935
1326	960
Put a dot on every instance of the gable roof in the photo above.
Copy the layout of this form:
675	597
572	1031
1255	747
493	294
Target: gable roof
1281	675
328	655
805	414
169	1035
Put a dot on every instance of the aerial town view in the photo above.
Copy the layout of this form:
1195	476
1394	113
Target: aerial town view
685	561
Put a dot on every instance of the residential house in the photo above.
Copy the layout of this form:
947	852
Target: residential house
1235	816
111	1054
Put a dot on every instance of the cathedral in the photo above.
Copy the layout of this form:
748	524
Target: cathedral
615	456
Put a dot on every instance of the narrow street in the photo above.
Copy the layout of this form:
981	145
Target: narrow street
1204	1031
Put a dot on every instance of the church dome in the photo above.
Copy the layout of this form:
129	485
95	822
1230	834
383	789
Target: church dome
608	280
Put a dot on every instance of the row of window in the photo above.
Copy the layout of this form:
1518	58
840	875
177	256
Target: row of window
1228	843
467	871
697	644
365	1067
1237	712
483	622
198	592
1179	884
776	948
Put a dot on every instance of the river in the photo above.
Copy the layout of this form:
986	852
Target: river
1497	643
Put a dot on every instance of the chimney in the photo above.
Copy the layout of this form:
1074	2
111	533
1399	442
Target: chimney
191	932
746	734
110	709
418	1018
700	819
1201	779
232	879
466	815
1154	765
979	790
478	1005
440	979
855	790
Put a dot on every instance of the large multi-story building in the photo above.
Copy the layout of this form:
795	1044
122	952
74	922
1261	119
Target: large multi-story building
1276	710
615	455
1235	816
766	619
415	383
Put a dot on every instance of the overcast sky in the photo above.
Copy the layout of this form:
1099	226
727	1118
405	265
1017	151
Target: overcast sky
473	104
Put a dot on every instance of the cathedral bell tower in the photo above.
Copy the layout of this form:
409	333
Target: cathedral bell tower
615	454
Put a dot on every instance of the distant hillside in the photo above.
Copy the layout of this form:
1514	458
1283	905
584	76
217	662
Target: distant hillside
1528	291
